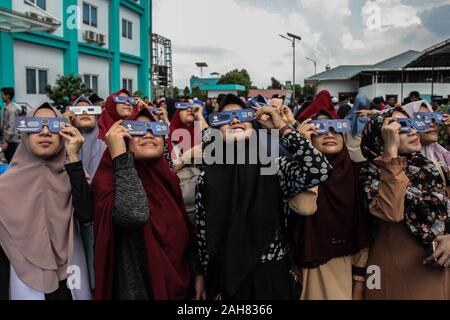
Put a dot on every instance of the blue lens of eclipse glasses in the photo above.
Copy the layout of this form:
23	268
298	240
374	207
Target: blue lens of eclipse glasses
37	124
218	119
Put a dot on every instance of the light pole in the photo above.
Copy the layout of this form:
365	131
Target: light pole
315	64
292	38
201	65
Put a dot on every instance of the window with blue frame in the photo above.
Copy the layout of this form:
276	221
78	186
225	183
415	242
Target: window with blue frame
91	82
40	3
89	14
127	84
36	80
31	81
127	29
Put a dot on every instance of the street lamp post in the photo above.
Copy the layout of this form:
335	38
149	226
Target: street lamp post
315	64
292	38
201	65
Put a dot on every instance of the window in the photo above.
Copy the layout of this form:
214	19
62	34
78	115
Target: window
127	29
127	84
40	3
89	14
36	80
91	82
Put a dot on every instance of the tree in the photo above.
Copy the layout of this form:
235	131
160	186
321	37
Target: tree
186	92
298	90
176	92
309	90
197	93
66	89
237	77
139	94
275	84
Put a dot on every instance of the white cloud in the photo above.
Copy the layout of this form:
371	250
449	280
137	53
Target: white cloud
230	34
250	36
349	43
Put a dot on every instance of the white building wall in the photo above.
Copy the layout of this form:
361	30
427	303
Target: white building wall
129	71
102	20
35	56
383	89
96	66
54	7
338	86
133	46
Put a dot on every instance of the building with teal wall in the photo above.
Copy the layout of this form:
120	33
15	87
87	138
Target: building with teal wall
106	42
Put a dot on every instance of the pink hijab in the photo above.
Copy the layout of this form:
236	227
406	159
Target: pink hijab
434	151
36	221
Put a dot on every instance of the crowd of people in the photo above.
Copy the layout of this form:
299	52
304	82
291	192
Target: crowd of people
117	204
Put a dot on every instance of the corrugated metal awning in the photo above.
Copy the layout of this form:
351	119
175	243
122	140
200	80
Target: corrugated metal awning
13	21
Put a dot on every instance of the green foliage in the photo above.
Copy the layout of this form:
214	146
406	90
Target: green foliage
176	92
186	92
237	77
197	93
66	89
139	94
275	84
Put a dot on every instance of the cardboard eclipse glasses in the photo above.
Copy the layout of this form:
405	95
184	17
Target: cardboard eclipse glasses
89	110
218	119
37	124
140	128
188	105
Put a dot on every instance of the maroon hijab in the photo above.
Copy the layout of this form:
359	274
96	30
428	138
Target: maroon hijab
321	102
339	227
166	234
175	124
110	115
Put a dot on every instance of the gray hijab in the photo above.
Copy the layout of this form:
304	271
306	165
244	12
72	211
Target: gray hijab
93	148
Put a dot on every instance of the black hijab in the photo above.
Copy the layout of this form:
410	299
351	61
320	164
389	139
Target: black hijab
243	213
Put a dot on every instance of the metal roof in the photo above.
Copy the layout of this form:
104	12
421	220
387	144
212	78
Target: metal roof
347	72
397	62
338	73
437	56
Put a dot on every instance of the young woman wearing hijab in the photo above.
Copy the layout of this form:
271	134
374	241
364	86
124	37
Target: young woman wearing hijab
240	213
331	245
141	226
92	149
183	153
40	247
361	109
429	139
407	196
91	153
321	102
114	112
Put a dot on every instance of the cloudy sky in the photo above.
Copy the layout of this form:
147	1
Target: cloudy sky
230	34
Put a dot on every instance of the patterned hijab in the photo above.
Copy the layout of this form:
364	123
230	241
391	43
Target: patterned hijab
434	151
426	203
